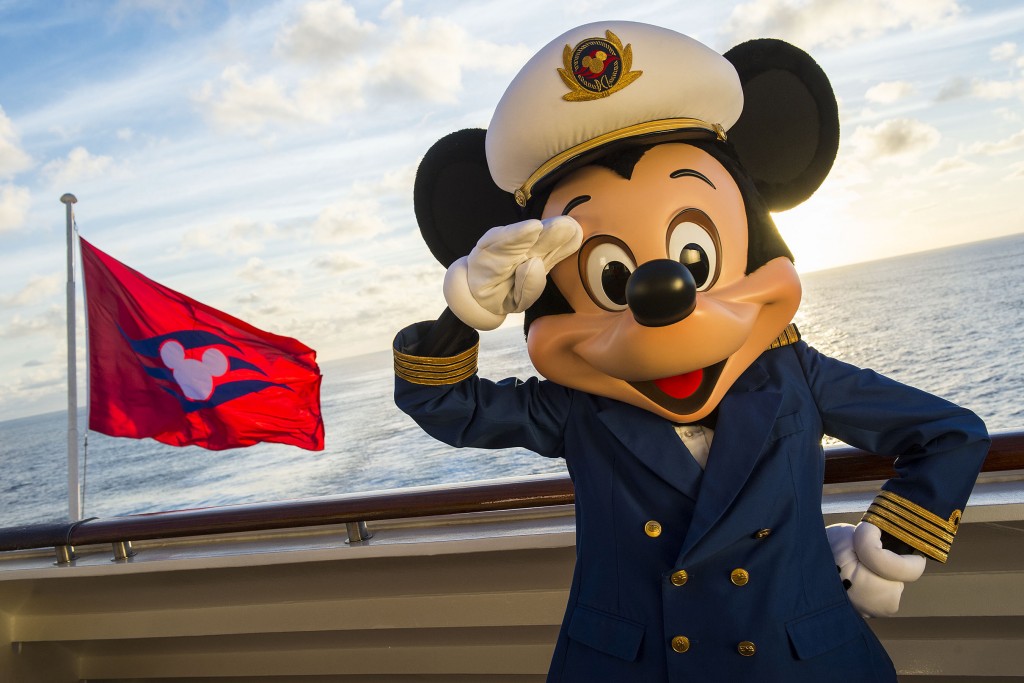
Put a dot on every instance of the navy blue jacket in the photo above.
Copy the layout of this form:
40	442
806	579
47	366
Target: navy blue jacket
632	614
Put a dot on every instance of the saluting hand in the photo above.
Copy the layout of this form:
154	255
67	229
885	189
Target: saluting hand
507	270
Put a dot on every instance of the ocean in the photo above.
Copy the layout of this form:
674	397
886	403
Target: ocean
948	321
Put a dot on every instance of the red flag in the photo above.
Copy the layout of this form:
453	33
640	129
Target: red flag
165	366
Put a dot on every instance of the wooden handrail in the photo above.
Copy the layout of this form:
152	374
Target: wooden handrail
842	465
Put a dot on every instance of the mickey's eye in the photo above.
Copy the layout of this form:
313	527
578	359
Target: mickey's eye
605	265
693	241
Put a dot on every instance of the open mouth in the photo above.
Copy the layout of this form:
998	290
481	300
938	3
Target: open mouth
685	393
681	386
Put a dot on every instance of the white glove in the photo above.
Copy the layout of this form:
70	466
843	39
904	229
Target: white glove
867	543
875	576
507	270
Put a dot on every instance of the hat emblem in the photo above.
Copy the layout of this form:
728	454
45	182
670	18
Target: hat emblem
596	68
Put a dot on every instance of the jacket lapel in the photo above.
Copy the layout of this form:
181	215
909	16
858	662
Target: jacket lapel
653	441
745	422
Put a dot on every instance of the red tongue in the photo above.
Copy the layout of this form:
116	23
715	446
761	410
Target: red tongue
680	386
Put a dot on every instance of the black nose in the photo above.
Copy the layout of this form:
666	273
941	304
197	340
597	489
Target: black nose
661	292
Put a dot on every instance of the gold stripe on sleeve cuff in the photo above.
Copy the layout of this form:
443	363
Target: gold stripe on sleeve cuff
790	335
917	527
431	371
885	507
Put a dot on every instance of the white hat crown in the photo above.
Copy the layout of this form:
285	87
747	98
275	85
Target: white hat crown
603	82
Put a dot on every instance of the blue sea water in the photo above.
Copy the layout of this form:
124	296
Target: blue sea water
948	321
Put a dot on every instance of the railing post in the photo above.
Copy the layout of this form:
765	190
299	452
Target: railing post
357	532
65	554
122	550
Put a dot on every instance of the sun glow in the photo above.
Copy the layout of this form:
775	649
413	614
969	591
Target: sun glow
821	232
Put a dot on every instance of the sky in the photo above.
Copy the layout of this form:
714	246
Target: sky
259	156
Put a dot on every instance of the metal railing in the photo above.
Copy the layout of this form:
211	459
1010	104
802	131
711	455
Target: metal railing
842	465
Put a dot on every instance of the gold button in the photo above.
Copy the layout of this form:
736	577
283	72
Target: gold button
746	648
762	533
739	577
679	578
652	529
680	644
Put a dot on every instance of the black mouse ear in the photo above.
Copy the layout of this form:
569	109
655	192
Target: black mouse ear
788	133
455	200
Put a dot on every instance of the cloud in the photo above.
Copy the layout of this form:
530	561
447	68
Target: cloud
32	386
234	236
337	262
326	31
397	182
889	92
810	23
257	270
1008	114
39	288
282	300
961	163
954	164
329	47
327	94
898	140
14	203
174	13
13	158
250	104
246	103
392	292
986	90
1003	52
997	90
269	301
428	58
51	322
332	68
954	89
262	310
349	220
1014	143
79	166
377	301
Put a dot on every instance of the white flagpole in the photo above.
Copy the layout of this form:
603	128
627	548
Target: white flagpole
74	491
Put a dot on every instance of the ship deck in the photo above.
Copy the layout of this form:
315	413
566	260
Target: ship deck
457	584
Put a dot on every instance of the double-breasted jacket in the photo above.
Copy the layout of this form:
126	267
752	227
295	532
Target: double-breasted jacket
723	574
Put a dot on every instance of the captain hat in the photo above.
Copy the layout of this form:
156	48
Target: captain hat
604	84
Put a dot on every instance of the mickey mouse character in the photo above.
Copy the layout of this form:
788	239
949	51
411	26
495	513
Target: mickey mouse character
632	211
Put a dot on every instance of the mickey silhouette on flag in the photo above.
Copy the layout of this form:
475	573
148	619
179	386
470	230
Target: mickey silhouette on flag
195	377
167	367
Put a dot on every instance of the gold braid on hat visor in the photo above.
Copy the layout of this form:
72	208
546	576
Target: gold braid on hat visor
684	127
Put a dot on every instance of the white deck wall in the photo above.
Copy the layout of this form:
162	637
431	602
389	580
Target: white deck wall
468	598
